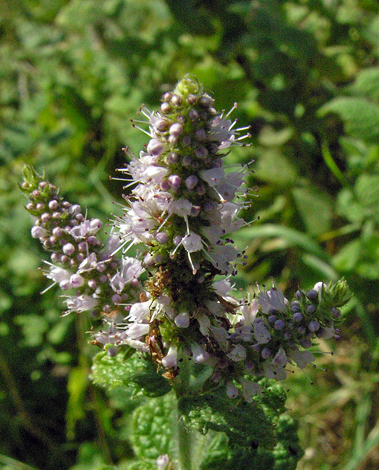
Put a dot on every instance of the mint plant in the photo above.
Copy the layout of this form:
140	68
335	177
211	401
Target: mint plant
172	333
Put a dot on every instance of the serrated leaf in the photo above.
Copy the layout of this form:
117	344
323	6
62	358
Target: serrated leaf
154	427
361	117
136	374
240	421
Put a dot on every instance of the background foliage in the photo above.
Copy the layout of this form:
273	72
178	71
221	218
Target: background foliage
306	76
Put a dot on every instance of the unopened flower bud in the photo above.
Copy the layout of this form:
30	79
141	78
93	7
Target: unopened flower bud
231	390
161	237
76	280
191	181
176	129
68	249
39	232
313	326
182	320
155	148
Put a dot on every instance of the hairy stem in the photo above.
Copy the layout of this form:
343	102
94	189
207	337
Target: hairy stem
184	435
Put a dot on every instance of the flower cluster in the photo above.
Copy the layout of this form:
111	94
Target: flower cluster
183	207
80	262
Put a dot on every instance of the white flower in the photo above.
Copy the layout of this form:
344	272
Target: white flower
249	389
272	371
76	280
88	263
222	287
261	333
238	353
112	244
136	330
130	269
139	311
249	311
272	299
87	227
171	358
221	130
137	167
181	207
221	256
204	323
280	358
302	358
81	303
319	286
58	274
162	461
212	176
39	232
192	242
230	222
229	185
199	354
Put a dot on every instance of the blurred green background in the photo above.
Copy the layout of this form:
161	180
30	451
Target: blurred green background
306	76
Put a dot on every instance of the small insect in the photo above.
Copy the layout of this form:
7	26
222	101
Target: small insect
154	342
112	315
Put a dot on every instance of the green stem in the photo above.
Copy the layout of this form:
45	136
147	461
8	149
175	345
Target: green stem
185	436
184	446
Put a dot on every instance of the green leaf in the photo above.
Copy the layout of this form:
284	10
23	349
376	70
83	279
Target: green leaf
361	117
189	13
367	191
367	83
275	168
348	206
136	374
33	328
315	208
347	258
154	427
289	236
240	421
